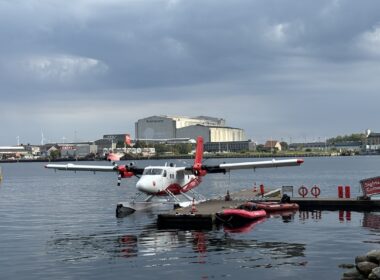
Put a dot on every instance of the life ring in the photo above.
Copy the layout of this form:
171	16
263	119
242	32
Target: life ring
302	191
315	191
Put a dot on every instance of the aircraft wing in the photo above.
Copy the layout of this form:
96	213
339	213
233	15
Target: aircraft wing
78	167
226	167
124	170
261	164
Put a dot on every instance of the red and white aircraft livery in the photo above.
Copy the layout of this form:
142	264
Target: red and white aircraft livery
170	180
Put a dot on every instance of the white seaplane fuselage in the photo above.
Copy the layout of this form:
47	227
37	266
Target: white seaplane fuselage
163	180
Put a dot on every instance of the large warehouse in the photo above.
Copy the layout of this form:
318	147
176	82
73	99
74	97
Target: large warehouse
212	133
167	127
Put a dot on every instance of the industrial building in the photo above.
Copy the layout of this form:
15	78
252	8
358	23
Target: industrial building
77	150
115	138
212	133
235	146
168	127
12	152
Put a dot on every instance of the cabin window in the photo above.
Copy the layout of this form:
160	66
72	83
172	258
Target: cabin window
153	171
164	174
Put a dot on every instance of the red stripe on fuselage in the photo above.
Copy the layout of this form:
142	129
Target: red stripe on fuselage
177	189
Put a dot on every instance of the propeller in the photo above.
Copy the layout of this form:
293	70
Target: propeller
127	171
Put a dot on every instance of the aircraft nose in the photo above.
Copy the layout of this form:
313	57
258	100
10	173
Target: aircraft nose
146	185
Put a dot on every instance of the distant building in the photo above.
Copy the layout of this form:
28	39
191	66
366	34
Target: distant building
349	146
77	150
33	150
272	145
47	149
67	151
212	133
235	146
115	137
104	146
168	127
314	146
372	141
13	152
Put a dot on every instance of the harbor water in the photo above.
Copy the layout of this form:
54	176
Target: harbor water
62	225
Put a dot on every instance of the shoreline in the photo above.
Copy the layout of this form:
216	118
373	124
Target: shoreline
206	156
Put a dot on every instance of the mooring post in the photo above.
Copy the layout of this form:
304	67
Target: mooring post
340	191
262	190
347	191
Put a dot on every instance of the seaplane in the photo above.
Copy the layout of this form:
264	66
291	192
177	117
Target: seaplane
175	183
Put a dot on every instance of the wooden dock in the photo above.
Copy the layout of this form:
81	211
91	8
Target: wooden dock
203	215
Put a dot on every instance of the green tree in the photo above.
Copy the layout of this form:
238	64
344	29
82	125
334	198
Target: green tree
55	154
140	144
182	149
162	148
357	137
260	148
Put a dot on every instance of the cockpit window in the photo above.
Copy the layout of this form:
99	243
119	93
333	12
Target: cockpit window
153	171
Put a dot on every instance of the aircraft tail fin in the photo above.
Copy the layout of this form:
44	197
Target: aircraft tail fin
197	167
199	151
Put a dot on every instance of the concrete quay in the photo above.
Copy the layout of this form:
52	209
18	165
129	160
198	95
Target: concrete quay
333	204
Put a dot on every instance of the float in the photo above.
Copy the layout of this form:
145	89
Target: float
238	216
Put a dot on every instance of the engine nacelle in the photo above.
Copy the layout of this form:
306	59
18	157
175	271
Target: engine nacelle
125	172
198	171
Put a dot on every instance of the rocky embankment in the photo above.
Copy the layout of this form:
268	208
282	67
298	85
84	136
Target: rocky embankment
366	267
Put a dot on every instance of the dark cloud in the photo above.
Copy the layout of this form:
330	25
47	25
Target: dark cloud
106	60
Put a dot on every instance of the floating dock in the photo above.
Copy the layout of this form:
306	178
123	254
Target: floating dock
351	204
203	216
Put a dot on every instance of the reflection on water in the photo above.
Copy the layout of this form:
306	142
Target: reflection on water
371	220
286	245
153	243
317	215
314	215
242	245
242	228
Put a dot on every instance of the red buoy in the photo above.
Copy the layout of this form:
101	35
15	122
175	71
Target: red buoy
315	191
302	191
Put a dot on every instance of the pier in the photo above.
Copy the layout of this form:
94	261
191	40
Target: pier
203	216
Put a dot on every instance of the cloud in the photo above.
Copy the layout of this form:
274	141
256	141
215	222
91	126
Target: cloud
369	42
62	68
89	63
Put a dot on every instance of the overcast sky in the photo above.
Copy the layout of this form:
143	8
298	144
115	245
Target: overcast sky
280	69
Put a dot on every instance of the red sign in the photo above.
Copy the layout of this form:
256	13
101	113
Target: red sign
371	186
67	148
